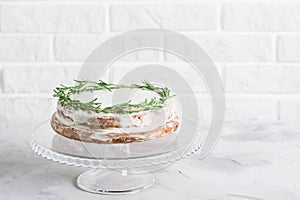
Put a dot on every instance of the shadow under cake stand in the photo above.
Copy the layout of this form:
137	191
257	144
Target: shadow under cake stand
115	168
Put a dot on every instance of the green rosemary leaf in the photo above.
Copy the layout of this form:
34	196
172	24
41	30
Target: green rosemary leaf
64	93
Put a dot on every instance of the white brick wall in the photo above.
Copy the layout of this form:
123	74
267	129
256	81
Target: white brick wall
256	46
16	48
263	79
261	17
288	48
75	48
289	109
53	18
236	48
169	16
35	79
247	107
19	110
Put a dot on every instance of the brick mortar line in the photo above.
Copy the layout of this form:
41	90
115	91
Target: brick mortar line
278	109
1	17
56	62
113	2
274	49
16	2
36	64
272	63
25	95
228	32
204	94
109	33
55	34
2	86
219	16
51	55
107	19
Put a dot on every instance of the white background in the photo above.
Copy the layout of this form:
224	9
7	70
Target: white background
255	44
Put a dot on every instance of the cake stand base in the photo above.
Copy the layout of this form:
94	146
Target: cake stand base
103	181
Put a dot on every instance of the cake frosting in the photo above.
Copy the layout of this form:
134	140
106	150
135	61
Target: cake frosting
137	125
114	128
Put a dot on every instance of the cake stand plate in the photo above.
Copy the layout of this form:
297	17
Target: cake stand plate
116	168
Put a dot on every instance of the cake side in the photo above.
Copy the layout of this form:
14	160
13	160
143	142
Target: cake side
113	135
94	120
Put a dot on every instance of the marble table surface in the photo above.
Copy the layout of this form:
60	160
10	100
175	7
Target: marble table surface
252	161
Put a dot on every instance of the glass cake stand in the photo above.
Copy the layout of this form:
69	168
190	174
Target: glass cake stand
116	168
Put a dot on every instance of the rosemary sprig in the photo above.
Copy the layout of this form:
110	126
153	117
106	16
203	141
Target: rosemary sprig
64	94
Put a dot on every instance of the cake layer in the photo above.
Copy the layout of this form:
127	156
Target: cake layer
113	135
88	121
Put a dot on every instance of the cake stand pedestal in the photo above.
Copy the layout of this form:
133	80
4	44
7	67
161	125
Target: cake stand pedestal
114	181
114	168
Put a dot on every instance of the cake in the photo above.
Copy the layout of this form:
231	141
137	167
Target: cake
127	122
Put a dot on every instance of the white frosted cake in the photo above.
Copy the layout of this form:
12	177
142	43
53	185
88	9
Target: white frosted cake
120	123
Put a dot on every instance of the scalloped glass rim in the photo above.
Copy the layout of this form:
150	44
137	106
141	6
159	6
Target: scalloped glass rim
115	163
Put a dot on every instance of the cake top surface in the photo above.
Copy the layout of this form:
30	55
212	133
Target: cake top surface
81	96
